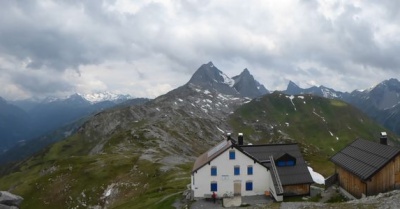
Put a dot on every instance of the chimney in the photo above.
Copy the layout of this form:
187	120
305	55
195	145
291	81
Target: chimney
383	138
240	139
228	136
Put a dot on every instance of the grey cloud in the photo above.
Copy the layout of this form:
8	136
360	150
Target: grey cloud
28	31
40	83
72	34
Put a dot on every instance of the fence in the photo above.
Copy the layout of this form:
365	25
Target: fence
331	180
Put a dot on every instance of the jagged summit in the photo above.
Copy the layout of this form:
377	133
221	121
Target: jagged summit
293	88
245	72
247	86
210	77
385	95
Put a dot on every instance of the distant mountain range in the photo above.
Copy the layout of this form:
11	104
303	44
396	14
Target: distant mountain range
23	120
140	156
381	102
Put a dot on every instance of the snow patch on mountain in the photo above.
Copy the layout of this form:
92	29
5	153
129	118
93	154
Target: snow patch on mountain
291	97
323	119
105	96
227	80
222	131
328	94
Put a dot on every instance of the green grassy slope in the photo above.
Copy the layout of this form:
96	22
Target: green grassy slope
321	126
67	176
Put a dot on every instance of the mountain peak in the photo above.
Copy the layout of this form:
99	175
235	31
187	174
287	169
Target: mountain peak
293	89
245	72
392	82
210	77
387	85
247	86
292	85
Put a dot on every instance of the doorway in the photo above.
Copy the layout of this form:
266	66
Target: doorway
237	188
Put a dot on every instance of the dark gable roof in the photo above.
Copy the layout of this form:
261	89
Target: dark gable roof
289	175
364	158
211	154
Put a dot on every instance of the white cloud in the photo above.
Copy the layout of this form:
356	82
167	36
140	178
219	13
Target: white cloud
147	48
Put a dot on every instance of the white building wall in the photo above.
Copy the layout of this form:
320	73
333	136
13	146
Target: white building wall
201	180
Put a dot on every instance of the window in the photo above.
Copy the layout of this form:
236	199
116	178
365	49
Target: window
213	170
281	163
290	163
285	163
214	186
236	170
232	155
285	160
249	186
250	170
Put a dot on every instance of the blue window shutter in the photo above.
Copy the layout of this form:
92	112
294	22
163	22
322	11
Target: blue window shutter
214	186
232	155
250	170
249	186
213	171
236	170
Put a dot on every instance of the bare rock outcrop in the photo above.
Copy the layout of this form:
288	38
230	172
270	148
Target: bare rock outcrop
9	201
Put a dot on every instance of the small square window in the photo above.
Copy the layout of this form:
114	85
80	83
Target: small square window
249	170
232	155
236	170
249	186
213	171
214	186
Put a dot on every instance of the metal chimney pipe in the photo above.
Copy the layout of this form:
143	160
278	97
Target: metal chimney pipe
383	138
240	139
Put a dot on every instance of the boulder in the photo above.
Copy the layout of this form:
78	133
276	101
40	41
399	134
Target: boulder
7	207
8	199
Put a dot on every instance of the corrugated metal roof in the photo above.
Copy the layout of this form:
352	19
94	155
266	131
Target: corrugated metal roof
289	175
364	158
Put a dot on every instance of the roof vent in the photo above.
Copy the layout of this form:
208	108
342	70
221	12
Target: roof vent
383	138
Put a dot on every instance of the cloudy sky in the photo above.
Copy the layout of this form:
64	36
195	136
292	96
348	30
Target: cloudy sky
146	48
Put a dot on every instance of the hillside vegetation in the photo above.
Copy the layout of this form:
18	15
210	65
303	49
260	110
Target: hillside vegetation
141	157
321	126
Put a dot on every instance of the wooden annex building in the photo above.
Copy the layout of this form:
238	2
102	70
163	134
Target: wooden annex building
367	168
